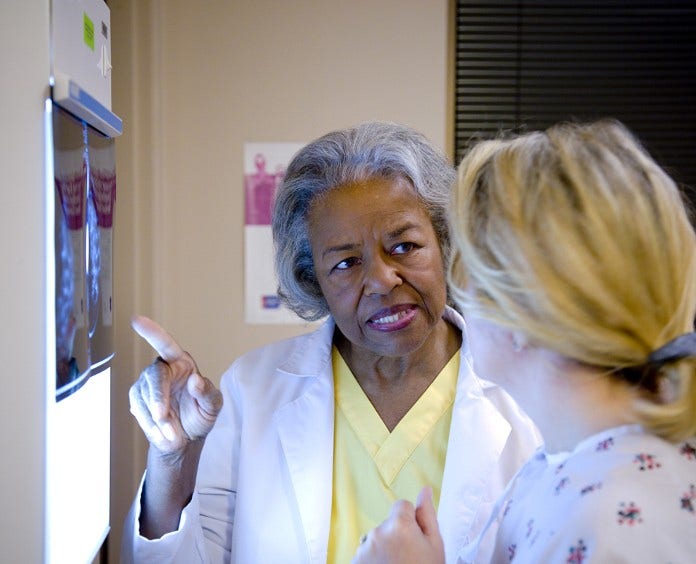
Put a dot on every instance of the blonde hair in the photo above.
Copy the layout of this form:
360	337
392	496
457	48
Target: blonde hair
577	238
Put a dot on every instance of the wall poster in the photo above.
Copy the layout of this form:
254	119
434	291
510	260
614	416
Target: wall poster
264	168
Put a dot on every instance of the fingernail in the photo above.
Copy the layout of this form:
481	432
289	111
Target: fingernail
198	382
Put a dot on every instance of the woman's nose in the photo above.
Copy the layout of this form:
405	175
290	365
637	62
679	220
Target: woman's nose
381	276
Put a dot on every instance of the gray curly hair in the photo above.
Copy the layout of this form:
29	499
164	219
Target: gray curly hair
374	149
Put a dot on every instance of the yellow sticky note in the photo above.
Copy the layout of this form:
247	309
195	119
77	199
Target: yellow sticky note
88	34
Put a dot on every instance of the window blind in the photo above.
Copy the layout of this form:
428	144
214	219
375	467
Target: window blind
523	65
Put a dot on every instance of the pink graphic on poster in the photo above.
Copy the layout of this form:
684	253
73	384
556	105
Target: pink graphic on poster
259	189
264	170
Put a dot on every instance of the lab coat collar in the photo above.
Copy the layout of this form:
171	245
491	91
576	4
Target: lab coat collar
313	356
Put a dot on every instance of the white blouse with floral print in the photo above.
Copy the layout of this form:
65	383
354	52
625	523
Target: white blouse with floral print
622	495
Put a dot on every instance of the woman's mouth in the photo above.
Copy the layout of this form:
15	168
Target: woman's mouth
392	319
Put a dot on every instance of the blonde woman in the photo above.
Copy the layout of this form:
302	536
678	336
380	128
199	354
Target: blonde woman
575	266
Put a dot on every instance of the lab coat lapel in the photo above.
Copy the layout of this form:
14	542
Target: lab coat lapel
477	427
305	427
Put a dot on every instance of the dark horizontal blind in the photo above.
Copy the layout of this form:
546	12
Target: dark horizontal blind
523	65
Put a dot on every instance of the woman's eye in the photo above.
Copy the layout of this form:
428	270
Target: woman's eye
403	248
345	264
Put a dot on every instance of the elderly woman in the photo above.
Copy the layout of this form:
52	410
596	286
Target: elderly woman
319	434
575	265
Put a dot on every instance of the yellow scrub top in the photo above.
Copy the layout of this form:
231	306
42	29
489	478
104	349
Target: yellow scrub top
373	467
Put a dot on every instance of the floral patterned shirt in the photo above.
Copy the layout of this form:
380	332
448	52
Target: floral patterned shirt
622	495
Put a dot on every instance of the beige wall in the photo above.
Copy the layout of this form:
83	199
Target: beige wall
193	82
24	66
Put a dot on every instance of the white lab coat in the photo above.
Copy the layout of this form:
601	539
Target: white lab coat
264	485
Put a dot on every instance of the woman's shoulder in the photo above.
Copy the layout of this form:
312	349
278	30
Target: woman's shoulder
301	354
631	453
631	478
612	501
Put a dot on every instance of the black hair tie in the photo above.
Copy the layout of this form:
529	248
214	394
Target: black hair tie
683	346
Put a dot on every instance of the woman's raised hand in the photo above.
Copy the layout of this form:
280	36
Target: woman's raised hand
173	404
410	535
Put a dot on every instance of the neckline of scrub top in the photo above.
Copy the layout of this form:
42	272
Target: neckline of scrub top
390	451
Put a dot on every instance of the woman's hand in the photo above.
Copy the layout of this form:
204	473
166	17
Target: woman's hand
410	535
176	408
173	404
